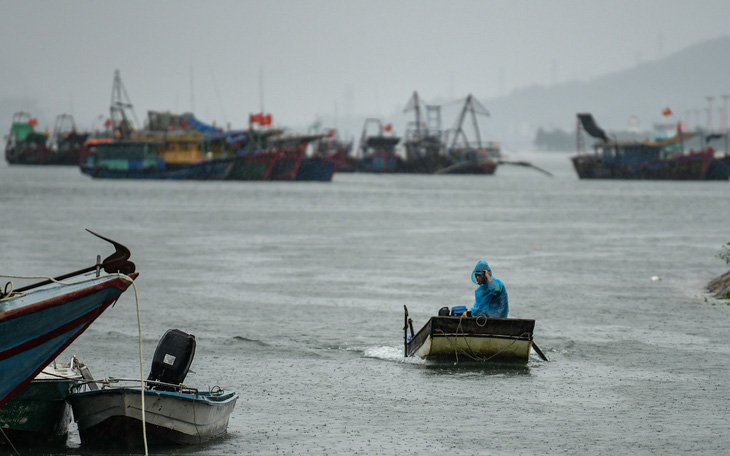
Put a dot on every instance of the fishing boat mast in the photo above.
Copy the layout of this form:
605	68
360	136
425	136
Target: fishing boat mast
471	106
120	104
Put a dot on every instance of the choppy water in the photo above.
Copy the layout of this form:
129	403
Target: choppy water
295	292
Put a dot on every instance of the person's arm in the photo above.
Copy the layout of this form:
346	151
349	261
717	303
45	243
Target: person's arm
494	285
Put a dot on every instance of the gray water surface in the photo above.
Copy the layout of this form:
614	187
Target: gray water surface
295	292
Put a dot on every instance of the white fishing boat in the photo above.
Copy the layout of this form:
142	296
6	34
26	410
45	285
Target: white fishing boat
110	415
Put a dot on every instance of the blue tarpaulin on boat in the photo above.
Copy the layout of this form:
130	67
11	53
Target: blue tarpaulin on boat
229	136
202	127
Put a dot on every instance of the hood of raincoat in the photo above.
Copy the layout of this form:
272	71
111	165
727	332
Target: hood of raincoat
479	269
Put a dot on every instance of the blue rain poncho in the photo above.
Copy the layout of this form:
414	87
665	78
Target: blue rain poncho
490	299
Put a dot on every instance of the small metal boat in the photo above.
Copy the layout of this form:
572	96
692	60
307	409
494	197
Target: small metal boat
111	414
461	338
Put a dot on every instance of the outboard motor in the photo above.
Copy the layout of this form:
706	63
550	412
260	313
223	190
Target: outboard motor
172	359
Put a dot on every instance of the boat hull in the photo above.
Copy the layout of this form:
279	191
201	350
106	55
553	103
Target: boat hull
253	166
113	417
217	169
473	339
39	325
694	166
39	413
317	169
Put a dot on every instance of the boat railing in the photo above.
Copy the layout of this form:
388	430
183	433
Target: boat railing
134	383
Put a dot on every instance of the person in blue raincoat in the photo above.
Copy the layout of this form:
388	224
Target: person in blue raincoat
490	299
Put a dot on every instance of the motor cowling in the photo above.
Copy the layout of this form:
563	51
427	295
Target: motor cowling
173	357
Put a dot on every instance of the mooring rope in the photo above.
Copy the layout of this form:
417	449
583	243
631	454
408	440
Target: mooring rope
141	364
9	442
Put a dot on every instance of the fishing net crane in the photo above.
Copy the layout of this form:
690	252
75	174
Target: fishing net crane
423	138
472	107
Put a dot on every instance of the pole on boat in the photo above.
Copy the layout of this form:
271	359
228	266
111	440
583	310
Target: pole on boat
539	352
116	262
405	332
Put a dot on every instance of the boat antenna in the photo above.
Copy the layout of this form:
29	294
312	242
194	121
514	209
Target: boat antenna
261	88
192	91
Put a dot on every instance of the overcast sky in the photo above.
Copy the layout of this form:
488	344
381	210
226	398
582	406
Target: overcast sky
302	59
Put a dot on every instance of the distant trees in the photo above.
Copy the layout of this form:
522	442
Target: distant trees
554	140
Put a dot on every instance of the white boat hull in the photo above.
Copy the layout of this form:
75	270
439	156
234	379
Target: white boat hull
480	348
113	417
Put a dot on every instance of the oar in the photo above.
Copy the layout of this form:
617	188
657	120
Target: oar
116	262
539	352
405	331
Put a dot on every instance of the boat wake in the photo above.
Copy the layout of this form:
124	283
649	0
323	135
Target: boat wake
390	354
252	341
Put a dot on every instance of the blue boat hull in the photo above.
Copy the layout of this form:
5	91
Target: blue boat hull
316	169
39	325
208	170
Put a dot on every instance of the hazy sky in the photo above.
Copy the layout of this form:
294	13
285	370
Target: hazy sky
303	59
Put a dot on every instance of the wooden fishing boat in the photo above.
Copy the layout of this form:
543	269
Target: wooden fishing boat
144	160
461	338
25	146
253	166
320	168
472	161
272	156
110	414
665	159
39	414
39	321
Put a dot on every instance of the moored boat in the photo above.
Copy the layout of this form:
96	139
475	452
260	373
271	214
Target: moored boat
472	161
111	413
320	168
377	151
39	415
460	338
665	159
140	159
25	146
39	321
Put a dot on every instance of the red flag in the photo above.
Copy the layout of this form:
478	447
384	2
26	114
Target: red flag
266	119
667	112
255	118
388	127
33	122
108	123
